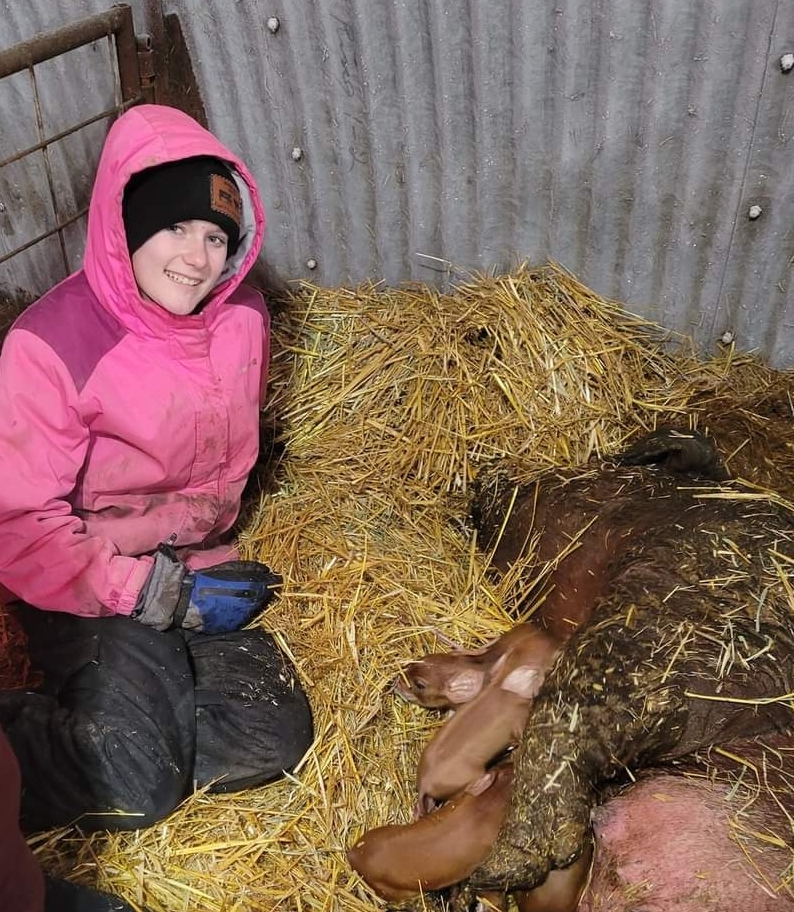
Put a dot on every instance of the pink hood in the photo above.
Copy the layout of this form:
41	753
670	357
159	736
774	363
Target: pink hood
143	137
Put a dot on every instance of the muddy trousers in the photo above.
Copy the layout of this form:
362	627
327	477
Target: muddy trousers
129	721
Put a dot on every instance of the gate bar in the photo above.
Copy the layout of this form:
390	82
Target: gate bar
116	21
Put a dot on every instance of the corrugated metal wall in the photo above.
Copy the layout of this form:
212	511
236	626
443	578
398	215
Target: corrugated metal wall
625	139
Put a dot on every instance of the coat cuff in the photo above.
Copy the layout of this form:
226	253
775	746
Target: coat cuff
139	573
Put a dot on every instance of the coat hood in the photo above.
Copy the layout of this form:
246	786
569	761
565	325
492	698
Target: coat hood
145	136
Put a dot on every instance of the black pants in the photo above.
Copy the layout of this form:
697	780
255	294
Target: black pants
130	720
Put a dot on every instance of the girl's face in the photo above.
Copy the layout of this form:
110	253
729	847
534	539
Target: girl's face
179	266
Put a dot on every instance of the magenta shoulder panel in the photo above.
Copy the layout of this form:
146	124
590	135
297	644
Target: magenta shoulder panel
70	319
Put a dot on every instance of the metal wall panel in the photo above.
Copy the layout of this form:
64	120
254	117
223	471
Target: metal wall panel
52	186
625	139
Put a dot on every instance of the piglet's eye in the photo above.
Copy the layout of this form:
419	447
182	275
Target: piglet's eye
420	683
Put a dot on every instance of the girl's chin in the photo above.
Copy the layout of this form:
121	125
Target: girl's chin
179	304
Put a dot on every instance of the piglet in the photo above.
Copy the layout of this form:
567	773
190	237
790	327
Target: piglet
437	850
446	680
529	646
480	730
561	890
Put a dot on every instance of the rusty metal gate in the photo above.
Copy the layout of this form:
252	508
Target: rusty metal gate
30	215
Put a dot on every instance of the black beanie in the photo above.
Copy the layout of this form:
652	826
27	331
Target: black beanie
192	188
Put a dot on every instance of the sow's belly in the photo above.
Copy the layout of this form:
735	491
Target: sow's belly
713	837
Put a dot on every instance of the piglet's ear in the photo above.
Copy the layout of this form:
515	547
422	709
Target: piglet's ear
464	686
498	665
480	785
524	681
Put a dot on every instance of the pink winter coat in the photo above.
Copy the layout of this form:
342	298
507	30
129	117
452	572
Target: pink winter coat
120	423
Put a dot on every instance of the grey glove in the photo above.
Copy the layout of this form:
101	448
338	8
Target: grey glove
160	594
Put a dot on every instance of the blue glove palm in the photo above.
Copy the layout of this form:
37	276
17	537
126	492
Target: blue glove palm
226	596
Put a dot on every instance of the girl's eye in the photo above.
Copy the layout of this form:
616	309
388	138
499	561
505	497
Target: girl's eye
219	240
176	227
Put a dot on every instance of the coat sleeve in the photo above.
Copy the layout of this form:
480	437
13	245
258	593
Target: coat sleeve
46	557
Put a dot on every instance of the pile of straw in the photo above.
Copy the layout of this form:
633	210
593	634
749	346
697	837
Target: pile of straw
383	404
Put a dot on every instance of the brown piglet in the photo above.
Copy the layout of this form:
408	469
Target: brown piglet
477	733
438	850
442	680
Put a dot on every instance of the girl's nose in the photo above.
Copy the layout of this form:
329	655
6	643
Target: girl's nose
195	251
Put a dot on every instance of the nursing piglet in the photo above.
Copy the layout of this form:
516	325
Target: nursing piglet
561	891
442	680
437	850
446	680
478	732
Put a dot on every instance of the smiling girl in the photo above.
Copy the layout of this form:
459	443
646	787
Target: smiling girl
182	222
130	397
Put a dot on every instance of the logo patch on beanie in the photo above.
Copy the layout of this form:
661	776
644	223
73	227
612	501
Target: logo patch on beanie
225	198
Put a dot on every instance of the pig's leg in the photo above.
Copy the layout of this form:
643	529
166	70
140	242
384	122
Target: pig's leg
622	696
427	902
678	451
562	889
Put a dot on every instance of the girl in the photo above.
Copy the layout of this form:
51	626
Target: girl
129	410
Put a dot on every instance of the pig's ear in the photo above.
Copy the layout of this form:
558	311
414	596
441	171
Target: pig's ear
480	785
524	681
464	686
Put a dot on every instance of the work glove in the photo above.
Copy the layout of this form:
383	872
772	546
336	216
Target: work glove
214	600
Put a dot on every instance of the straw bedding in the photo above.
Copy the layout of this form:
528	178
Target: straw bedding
383	403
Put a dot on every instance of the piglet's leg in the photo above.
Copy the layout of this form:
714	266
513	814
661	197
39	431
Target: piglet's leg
429	902
461	899
561	891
